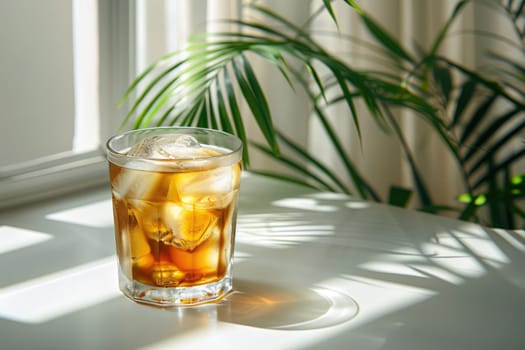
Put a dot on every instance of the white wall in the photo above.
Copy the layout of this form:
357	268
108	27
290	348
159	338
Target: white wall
36	79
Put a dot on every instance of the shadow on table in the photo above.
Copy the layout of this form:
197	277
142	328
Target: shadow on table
276	307
482	307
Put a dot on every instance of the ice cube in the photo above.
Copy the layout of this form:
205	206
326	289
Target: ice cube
144	262
135	184
208	189
201	261
187	228
167	147
167	275
138	242
149	217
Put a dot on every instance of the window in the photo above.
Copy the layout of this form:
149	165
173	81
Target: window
37	57
65	64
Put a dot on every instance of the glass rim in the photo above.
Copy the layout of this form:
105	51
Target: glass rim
120	158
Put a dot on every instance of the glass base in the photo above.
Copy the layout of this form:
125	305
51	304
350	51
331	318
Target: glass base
176	296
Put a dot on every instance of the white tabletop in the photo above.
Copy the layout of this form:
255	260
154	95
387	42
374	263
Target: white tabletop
312	271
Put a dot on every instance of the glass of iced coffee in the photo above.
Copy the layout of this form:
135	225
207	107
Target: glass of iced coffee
174	193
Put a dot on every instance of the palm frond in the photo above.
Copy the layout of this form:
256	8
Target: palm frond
207	84
381	35
315	179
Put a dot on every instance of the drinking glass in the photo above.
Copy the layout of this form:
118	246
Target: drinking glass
174	193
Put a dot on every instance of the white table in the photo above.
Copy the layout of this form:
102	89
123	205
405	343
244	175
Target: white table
312	271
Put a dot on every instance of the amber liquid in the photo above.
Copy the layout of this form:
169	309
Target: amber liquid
175	229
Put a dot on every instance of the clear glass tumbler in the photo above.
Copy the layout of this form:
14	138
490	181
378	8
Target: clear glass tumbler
175	193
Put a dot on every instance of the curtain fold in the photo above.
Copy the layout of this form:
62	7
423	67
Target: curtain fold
422	22
166	25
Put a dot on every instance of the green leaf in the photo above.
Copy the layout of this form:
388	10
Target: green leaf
381	34
443	78
328	6
363	188
191	114
492	85
274	57
399	196
291	179
518	180
312	161
489	134
226	125
350	102
422	191
478	200
143	75
490	150
186	72
256	100
237	117
514	158
518	12
465	97
300	168
469	212
443	32
299	33
203	117
147	90
194	80
473	203
319	83
497	210
165	116
477	117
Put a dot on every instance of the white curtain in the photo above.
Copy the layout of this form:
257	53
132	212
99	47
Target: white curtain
166	25
379	158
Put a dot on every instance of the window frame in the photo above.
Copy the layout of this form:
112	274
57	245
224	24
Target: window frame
66	172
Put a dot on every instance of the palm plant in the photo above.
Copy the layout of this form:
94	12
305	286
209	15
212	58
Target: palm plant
206	84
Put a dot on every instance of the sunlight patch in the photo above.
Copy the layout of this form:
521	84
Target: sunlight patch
99	214
13	238
305	204
412	269
378	297
357	205
509	237
391	268
48	297
329	196
239	256
278	230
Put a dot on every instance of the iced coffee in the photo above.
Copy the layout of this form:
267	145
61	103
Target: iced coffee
174	196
